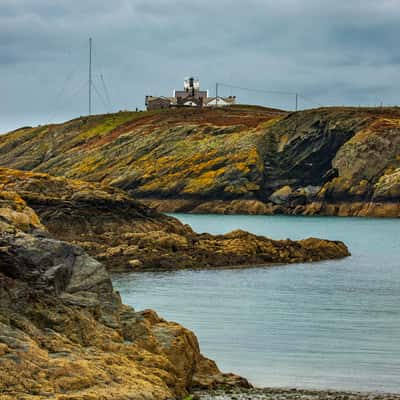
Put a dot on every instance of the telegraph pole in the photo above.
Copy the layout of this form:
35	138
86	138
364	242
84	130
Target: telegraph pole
216	94
297	101
90	76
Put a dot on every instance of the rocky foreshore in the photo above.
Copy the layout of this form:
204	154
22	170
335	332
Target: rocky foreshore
388	209
65	334
128	236
288	394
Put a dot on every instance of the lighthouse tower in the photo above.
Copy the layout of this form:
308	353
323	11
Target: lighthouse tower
192	86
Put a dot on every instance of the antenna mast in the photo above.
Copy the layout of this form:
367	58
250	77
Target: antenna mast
90	76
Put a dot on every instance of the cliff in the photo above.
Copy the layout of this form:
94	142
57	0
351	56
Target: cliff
64	333
329	161
126	235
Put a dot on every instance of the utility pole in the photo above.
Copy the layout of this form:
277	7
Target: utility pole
216	94
90	76
297	101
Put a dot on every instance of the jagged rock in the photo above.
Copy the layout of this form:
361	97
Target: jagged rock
64	333
388	186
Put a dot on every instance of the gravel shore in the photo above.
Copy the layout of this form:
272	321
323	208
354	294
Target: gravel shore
289	394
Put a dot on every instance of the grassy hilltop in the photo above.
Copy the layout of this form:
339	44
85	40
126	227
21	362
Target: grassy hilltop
247	159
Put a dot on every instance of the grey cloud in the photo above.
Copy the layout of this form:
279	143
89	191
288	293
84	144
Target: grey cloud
341	52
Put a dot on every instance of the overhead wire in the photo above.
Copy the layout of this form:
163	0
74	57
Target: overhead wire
67	99
286	93
309	100
62	92
100	96
257	90
107	101
106	91
63	87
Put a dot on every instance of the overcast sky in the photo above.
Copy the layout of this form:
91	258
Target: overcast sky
332	52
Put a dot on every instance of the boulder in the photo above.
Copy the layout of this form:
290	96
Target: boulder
282	195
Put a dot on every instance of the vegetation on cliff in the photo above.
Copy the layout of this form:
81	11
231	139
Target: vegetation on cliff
330	160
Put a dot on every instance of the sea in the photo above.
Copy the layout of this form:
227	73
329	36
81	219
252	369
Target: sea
324	325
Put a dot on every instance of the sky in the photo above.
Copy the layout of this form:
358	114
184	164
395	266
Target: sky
341	52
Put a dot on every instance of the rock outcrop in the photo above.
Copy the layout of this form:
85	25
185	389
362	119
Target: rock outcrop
126	235
65	335
327	161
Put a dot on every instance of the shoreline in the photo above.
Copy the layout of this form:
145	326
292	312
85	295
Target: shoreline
222	268
272	393
349	208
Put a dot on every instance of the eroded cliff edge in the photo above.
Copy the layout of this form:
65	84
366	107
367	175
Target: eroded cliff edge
65	334
126	235
328	161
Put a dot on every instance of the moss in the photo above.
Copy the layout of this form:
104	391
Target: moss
106	125
270	122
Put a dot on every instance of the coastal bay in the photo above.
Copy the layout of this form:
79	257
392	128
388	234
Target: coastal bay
327	325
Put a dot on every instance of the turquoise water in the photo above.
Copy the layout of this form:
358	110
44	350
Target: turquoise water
332	324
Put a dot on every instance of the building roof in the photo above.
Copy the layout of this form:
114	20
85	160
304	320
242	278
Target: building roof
221	100
197	93
171	100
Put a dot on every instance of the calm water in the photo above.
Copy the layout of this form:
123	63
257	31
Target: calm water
332	324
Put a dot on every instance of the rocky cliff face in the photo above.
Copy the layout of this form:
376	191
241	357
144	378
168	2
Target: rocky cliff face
126	235
164	154
65	334
335	161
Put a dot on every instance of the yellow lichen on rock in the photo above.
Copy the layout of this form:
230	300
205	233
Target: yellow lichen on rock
64	333
236	153
15	212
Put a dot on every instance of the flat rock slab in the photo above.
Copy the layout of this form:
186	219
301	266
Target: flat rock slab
289	394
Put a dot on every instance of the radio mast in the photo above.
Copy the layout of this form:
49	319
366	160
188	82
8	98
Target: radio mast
90	76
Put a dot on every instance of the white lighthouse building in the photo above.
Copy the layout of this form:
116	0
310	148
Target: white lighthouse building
190	96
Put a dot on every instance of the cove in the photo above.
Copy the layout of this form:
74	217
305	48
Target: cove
326	325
